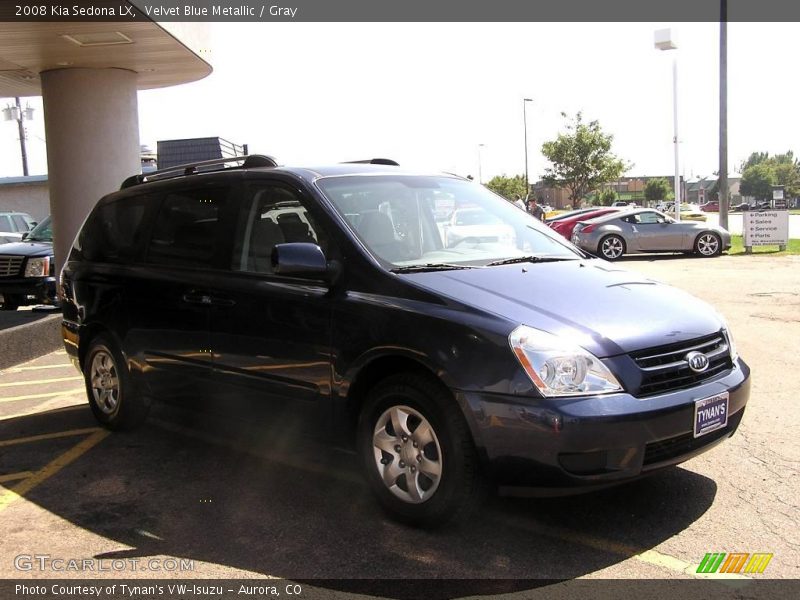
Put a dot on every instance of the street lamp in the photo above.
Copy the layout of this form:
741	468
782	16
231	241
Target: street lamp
665	41
480	176
525	126
15	112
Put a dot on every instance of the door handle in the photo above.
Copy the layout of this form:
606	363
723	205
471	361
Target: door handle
197	299
223	302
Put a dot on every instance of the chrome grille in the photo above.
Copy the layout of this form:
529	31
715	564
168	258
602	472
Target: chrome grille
665	368
10	265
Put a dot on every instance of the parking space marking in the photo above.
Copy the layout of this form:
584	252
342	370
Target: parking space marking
651	557
15	476
46	395
38	368
8	497
41	381
49	436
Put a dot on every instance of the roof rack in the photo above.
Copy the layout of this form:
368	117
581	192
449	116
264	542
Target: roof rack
374	161
249	161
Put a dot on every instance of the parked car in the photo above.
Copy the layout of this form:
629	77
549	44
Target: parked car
475	225
447	368
711	206
566	226
27	269
645	230
689	212
569	214
13	225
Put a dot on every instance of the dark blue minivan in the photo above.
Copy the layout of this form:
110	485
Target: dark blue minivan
454	341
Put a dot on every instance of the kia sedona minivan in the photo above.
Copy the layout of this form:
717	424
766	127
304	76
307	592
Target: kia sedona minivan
334	299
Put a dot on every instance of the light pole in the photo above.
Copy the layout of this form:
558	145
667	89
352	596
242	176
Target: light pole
665	41
480	175
723	115
525	127
14	112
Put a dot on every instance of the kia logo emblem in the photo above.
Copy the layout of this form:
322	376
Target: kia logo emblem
697	361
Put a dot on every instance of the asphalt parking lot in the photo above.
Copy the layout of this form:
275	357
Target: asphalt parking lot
206	496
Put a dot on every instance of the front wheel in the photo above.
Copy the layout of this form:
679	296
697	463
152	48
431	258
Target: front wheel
109	387
612	247
708	244
417	452
9	303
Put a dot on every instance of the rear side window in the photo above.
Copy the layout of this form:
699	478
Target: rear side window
5	223
113	232
186	230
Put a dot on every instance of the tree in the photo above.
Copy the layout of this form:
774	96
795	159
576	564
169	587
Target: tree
757	181
657	189
607	197
761	171
508	187
581	159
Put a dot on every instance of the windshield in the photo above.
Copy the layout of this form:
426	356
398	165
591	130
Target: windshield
41	233
413	220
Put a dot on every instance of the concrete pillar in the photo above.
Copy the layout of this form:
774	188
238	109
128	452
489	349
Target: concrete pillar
92	128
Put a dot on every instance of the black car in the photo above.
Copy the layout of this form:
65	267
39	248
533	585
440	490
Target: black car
27	269
330	298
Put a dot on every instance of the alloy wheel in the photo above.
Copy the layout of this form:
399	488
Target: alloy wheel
104	382
612	247
407	454
708	244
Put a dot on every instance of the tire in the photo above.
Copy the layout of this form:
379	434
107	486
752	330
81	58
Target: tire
109	387
436	440
708	244
10	303
611	247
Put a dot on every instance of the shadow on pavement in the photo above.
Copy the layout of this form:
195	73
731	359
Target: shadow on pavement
307	516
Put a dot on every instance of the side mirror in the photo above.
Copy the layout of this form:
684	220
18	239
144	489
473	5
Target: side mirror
300	259
24	236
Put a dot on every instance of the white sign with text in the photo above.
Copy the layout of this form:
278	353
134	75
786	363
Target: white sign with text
766	228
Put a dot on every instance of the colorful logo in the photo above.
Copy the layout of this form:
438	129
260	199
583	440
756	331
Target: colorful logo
735	562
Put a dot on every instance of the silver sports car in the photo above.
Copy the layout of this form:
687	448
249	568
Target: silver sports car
647	230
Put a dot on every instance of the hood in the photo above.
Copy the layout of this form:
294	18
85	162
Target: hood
31	249
604	308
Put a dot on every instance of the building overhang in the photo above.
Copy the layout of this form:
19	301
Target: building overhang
160	54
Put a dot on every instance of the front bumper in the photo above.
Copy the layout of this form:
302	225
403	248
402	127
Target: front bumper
594	441
30	290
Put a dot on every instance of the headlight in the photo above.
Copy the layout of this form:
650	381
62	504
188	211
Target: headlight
558	367
37	267
726	332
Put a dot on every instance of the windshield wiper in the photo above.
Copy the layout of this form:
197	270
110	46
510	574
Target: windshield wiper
430	267
528	259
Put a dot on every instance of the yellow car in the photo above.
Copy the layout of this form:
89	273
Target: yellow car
689	212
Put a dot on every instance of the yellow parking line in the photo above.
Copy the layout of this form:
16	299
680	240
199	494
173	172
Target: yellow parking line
47	395
41	381
49	436
15	476
652	557
25	486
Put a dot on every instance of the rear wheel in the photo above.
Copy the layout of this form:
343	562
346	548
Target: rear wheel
612	247
112	398
417	452
708	244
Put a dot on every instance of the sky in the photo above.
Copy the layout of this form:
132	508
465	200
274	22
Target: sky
428	94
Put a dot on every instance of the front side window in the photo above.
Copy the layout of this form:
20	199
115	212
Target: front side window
43	232
186	230
408	220
271	214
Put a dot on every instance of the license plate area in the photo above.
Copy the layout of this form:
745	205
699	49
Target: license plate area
710	414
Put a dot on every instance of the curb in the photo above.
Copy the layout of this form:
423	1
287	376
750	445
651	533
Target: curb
31	340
